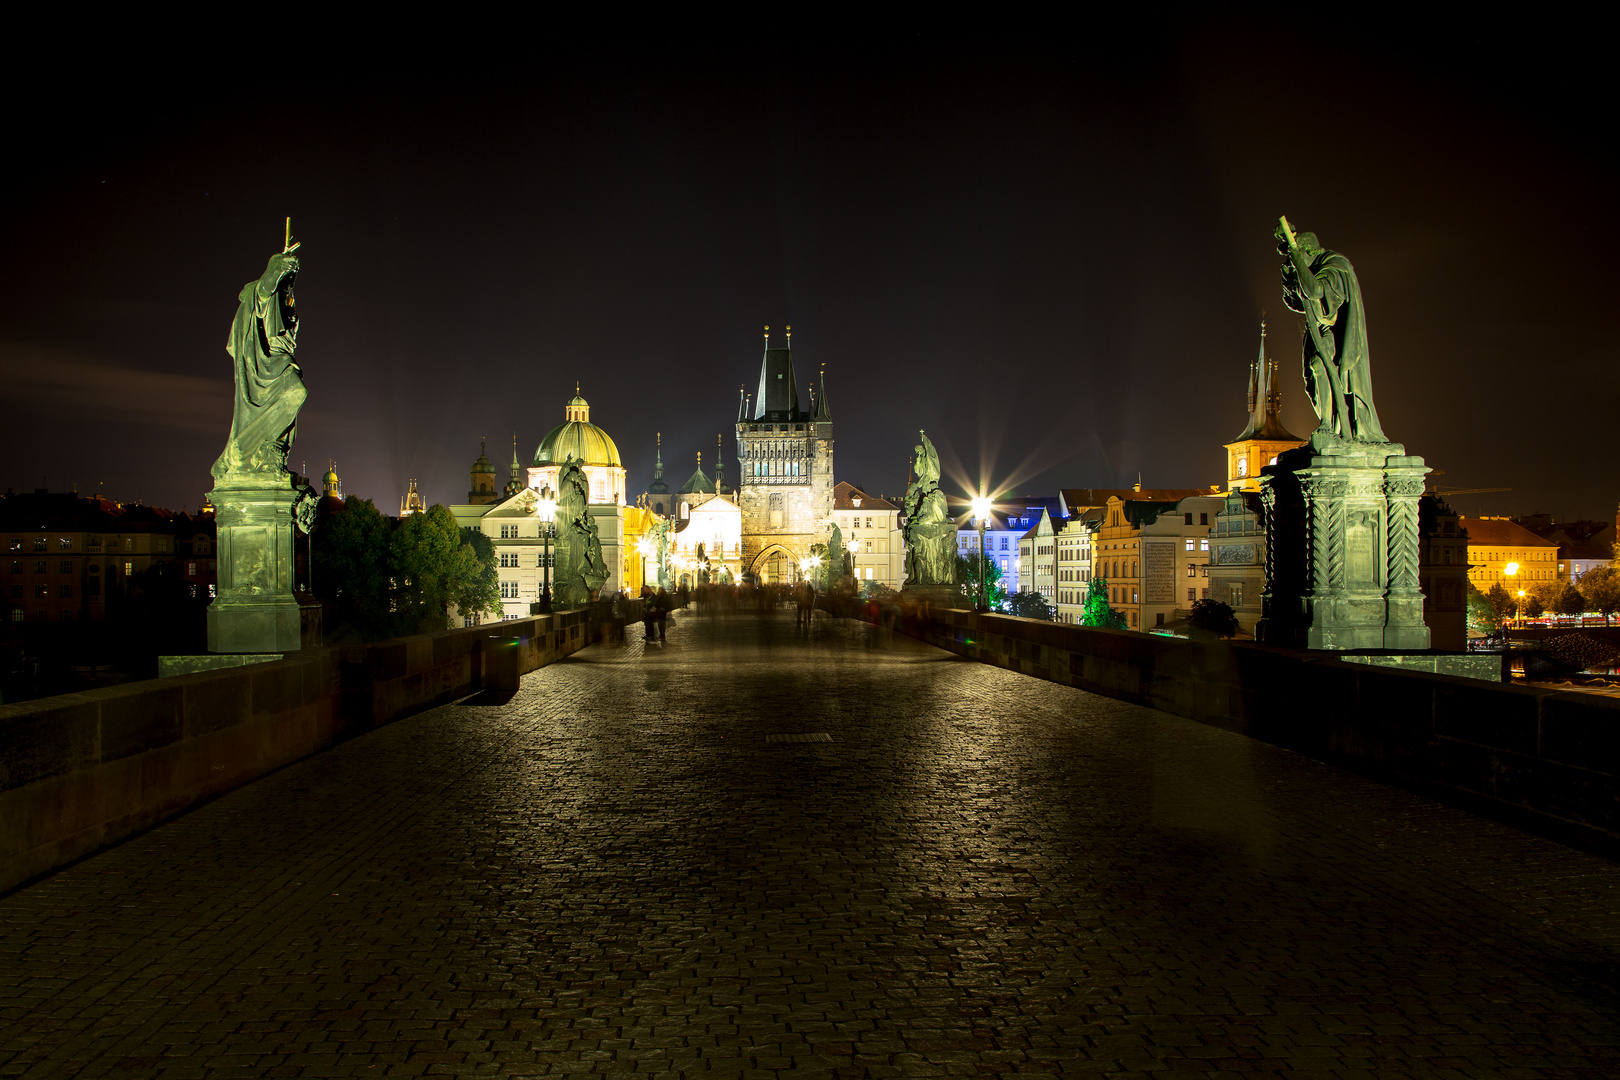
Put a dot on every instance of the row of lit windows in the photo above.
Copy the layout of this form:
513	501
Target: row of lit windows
541	559
17	615
42	566
65	543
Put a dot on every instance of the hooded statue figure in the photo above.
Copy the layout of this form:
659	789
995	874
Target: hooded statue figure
269	384
930	534
1321	285
580	567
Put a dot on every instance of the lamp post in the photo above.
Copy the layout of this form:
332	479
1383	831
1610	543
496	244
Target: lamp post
854	546
814	563
547	511
981	510
1512	571
645	546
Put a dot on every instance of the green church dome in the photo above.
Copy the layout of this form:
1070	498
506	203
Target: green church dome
578	437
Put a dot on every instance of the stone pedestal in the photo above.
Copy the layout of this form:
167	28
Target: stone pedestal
255	610
939	596
1342	547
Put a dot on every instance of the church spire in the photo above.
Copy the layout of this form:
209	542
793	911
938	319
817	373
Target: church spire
1265	397
719	465
823	414
658	459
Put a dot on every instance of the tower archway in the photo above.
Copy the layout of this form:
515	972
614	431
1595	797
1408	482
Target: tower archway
775	565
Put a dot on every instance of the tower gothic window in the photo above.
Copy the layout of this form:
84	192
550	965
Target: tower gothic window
775	511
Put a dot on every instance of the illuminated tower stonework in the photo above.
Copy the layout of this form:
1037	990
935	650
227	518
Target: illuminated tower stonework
785	459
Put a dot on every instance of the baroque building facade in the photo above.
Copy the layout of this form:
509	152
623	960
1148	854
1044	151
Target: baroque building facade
785	465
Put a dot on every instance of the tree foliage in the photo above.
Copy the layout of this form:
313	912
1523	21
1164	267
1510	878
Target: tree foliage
387	579
1503	603
433	567
967	577
1030	605
1601	587
1099	612
351	570
1482	616
1213	616
1569	601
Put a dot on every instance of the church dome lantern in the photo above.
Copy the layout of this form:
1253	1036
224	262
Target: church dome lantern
576	437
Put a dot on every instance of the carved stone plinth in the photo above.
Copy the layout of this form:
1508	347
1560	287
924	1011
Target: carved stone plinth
939	596
1342	547
255	610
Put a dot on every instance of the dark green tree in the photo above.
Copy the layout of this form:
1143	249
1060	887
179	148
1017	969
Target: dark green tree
351	572
967	578
1601	587
1099	612
1030	605
1482	616
1213	616
1503	603
433	567
1569	601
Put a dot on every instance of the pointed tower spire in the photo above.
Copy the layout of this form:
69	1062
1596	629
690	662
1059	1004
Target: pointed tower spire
658	460
778	396
719	465
823	414
1265	397
742	403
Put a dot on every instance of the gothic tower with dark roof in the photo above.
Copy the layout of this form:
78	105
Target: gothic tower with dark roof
785	466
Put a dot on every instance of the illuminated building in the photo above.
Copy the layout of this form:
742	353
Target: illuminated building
785	458
872	523
513	521
1264	437
708	537
1494	543
411	502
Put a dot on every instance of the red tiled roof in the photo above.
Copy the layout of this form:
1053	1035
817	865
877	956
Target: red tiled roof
844	494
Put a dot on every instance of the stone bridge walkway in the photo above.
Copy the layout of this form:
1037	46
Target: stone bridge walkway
753	851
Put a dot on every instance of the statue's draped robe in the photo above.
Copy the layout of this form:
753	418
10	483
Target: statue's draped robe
929	532
1336	336
269	385
580	567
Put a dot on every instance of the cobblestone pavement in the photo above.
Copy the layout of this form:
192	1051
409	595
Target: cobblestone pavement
619	870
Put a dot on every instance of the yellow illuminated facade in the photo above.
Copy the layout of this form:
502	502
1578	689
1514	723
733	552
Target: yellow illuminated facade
1495	544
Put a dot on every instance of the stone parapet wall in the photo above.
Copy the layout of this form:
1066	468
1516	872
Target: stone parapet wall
1546	761
81	771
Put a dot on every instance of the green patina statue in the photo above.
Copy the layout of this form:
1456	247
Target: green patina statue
257	501
580	568
1322	286
269	382
929	533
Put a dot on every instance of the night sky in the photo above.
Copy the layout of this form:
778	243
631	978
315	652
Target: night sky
1052	251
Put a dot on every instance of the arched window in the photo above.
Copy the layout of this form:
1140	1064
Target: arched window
774	511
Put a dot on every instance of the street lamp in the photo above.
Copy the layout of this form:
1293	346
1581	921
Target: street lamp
645	546
981	510
1512	571
814	563
854	546
547	511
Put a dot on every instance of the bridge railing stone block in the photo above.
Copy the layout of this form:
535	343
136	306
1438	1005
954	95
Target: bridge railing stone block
81	771
1541	759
